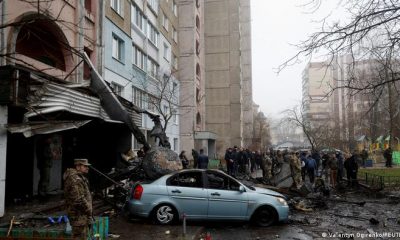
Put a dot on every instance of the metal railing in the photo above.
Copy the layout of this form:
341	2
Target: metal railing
380	182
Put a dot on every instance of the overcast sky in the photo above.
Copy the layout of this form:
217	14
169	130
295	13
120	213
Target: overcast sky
275	25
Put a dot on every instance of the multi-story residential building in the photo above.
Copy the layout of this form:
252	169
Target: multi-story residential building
215	74
317	84
350	113
139	62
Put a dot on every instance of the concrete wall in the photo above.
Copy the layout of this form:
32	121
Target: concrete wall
245	65
223	73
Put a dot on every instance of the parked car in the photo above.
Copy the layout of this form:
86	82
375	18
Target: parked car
201	194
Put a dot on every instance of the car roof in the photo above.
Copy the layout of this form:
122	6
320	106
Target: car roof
192	170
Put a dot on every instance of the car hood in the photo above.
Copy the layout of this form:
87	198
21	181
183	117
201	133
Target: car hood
268	192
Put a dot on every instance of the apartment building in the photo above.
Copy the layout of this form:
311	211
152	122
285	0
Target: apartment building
139	62
215	74
351	114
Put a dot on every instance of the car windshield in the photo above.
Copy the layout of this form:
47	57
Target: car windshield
248	185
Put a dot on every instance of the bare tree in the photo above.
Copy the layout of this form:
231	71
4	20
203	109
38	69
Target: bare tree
162	95
372	33
318	134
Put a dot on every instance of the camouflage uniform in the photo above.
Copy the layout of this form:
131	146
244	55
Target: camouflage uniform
78	202
266	164
295	166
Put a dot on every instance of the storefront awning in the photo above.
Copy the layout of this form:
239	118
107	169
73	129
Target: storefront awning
33	128
51	97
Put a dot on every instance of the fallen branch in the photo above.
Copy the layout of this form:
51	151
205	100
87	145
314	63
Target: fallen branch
11	225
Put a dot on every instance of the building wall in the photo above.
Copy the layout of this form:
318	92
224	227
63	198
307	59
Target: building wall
317	82
224	79
245	62
130	76
191	57
76	25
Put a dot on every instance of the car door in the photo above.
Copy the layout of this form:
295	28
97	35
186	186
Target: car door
225	201
187	191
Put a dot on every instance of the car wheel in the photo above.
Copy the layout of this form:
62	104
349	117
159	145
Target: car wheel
265	216
165	214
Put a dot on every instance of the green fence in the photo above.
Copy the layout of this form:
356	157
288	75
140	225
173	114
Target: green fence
213	163
396	157
99	228
380	182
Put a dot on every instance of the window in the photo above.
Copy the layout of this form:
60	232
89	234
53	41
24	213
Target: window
138	97
165	22
152	34
175	8
175	62
117	89
152	103
153	5
175	144
175	118
138	57
152	68
86	68
117	48
165	109
88	5
174	34
186	179
166	52
117	6
137	18
219	181
198	70
198	23
197	47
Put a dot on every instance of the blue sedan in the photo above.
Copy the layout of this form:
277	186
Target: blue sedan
200	194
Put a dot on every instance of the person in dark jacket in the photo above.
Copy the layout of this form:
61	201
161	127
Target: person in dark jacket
317	157
351	165
229	161
202	160
195	156
183	158
387	154
340	163
311	167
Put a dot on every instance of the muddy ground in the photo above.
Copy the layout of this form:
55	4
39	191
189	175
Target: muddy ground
340	219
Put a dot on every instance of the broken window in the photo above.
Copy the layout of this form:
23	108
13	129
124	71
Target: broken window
37	40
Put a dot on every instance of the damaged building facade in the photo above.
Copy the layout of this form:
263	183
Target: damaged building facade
49	113
49	110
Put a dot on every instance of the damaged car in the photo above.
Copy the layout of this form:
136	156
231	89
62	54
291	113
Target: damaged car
200	194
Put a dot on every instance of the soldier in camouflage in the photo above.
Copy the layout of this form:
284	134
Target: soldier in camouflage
78	199
266	166
295	167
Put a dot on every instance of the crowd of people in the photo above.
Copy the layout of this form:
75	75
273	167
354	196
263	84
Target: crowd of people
331	166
